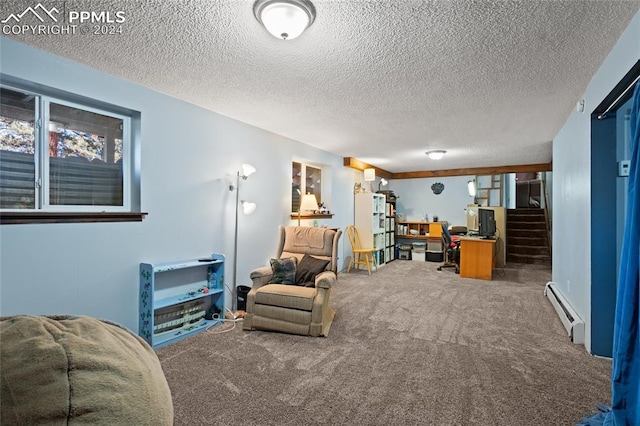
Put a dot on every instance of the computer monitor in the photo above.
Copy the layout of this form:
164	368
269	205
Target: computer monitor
486	223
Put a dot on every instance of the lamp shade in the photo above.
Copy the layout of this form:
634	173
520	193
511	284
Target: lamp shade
285	19
308	203
369	174
248	170
248	207
436	154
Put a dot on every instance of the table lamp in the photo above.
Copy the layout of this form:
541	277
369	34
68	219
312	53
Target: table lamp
309	203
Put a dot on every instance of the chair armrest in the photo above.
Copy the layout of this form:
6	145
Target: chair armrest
325	279
261	276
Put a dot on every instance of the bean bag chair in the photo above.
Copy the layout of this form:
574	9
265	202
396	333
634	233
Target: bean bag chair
77	370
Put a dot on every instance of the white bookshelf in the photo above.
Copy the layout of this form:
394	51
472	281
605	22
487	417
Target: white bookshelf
371	221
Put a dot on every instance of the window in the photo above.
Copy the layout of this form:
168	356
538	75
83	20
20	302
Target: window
17	150
63	155
305	179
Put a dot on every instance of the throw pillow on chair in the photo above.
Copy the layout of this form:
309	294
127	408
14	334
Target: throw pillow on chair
284	270
308	268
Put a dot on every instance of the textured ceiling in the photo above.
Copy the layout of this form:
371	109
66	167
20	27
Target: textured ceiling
491	82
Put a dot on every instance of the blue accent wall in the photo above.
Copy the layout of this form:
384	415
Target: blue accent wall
603	234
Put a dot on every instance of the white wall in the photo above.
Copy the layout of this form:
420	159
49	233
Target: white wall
571	178
189	157
417	199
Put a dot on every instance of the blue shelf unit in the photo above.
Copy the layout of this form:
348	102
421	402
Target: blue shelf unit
181	298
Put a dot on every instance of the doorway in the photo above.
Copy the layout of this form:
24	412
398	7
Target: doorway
610	148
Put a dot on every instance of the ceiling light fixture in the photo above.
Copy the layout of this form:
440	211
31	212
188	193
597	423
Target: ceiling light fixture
285	19
436	154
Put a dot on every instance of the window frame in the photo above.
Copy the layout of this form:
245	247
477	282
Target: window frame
324	194
45	201
44	211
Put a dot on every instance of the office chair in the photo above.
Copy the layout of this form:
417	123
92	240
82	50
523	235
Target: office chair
452	250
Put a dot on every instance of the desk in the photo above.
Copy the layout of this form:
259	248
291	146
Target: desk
476	258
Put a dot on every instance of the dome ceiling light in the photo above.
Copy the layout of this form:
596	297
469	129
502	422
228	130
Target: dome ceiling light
285	19
436	154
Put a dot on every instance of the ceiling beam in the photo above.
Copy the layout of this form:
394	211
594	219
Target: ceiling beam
354	163
522	168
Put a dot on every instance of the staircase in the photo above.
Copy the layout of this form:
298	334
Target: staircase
527	238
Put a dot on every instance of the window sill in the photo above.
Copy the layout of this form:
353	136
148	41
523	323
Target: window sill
312	216
16	218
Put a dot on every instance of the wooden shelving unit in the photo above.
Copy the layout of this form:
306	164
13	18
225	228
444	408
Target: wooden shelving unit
425	230
429	232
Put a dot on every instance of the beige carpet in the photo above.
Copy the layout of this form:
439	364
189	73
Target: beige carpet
409	345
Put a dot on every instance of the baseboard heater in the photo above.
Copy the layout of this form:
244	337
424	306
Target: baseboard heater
569	318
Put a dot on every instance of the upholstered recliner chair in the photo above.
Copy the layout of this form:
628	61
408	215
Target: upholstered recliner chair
303	308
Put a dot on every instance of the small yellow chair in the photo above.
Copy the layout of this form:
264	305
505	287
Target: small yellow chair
361	256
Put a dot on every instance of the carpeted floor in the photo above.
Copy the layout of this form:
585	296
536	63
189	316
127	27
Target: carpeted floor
409	346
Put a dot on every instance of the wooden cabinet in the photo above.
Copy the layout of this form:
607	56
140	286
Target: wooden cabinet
370	219
477	258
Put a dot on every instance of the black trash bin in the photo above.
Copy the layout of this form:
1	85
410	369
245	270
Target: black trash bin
242	292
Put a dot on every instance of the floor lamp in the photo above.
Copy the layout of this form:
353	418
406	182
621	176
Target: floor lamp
247	208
